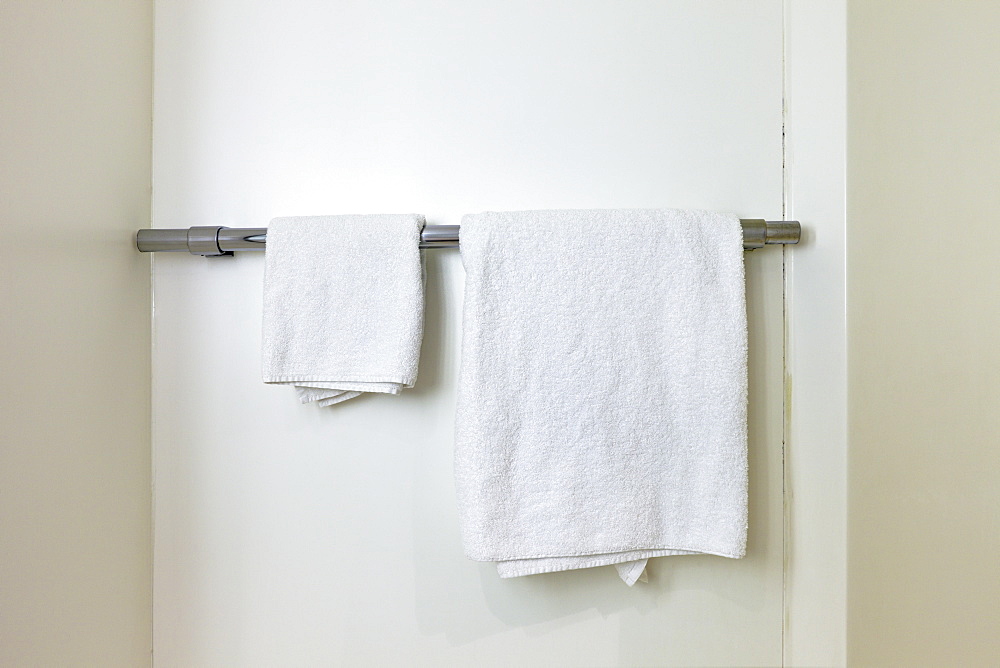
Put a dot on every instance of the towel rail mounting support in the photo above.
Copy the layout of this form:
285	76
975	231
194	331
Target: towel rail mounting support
214	241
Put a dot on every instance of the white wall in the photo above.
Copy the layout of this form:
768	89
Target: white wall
290	535
924	314
816	334
75	552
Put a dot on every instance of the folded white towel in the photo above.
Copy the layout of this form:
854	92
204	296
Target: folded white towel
343	305
602	392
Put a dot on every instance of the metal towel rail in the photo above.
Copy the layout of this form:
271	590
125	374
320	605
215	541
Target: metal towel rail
215	241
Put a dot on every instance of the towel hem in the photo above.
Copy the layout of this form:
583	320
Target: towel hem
407	381
612	551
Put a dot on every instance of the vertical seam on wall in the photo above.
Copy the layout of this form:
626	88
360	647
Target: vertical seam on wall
785	395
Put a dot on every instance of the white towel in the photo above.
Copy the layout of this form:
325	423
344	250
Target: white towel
343	305
602	392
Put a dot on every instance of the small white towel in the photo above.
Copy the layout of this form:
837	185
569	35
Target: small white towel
603	388
343	305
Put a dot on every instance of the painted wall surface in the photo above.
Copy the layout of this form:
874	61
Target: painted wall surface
816	334
292	535
924	374
75	544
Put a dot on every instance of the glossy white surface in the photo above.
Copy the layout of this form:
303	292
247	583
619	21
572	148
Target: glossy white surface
816	331
290	535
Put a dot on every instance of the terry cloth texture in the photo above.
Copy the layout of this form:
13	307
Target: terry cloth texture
603	389
343	305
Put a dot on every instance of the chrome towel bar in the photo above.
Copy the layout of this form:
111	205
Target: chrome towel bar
215	241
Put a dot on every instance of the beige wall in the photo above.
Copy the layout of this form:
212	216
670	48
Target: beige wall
924	333
75	86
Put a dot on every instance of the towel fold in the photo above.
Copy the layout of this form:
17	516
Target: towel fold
602	393
343	305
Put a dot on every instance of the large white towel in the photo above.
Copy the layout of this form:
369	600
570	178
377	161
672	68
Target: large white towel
603	386
343	305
